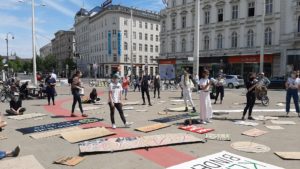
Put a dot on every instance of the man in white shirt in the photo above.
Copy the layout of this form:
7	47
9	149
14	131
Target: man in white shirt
114	101
292	86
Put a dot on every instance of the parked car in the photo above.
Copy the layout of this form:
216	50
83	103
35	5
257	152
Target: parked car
234	81
277	82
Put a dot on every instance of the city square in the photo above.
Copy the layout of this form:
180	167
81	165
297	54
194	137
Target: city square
175	84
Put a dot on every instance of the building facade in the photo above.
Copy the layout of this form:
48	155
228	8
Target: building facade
63	47
231	34
107	40
46	50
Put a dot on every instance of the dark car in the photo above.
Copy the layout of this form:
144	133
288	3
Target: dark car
277	83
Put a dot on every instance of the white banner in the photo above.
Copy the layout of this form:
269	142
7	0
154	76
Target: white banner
224	160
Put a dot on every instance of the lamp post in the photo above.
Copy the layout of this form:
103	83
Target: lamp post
197	39
131	47
6	39
262	45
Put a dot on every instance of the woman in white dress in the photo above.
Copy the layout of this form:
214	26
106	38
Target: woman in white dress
187	84
205	102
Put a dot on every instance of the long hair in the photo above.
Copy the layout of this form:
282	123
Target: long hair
186	78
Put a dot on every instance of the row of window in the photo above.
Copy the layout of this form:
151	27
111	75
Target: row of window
146	59
134	47
134	36
134	23
220	40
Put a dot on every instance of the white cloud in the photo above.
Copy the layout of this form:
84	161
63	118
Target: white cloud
60	8
9	5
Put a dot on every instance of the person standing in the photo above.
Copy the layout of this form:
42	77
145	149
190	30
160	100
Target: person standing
137	83
292	86
115	101
205	102
125	85
187	85
75	88
145	80
50	89
156	82
251	97
220	82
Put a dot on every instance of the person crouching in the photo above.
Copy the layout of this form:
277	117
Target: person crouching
15	105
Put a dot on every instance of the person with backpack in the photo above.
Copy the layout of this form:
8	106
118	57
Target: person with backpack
75	88
145	80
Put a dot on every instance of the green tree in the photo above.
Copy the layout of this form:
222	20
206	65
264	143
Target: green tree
49	63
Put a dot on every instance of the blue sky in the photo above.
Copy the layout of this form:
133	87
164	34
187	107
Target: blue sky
56	15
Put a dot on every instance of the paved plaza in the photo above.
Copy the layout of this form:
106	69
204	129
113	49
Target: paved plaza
50	149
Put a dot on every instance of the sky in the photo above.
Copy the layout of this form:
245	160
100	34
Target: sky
50	16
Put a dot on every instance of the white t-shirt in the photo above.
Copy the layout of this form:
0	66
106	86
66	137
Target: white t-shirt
293	83
116	89
203	82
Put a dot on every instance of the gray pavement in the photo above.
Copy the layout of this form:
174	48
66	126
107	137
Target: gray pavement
49	149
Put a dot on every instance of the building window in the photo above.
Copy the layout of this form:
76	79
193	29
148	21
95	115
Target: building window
183	2
146	59
125	22
140	36
251	9
163	46
163	26
146	25
156	49
134	23
146	48
151	59
269	7
134	59
141	59
151	37
134	46
125	46
183	20
125	33
140	47
250	38
114	32
146	36
220	15
151	48
234	40
206	42
207	17
126	59
156	38
157	27
235	12
220	41
174	3
173	23
114	45
173	46
134	35
268	36
141	24
151	26
183	45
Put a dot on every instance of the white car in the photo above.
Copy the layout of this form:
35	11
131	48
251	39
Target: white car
234	81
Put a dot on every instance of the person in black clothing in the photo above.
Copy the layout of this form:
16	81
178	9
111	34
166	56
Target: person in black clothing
251	84
156	82
50	89
145	88
15	106
75	88
94	96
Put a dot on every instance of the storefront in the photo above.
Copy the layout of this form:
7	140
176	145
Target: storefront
183	64
243	65
293	59
213	64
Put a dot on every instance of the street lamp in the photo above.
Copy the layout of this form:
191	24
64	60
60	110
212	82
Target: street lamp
197	39
262	47
6	39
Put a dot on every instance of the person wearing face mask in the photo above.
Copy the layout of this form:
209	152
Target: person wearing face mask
292	86
16	105
205	102
250	85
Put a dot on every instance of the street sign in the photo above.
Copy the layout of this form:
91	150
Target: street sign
106	3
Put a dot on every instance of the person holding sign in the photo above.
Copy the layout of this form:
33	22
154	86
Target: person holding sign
205	102
115	101
251	97
75	88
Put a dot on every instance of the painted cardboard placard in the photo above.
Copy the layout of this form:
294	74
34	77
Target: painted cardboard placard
275	127
254	132
196	129
219	137
224	160
60	125
52	133
26	116
289	155
152	127
130	143
173	118
3	137
24	162
250	147
69	161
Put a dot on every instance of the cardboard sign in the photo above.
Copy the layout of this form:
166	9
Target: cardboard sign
254	132
25	162
27	116
129	143
174	118
264	118
69	161
196	129
141	110
289	155
275	127
128	108
283	122
177	100
224	160
246	123
86	134
52	133
250	147
60	125
219	137
152	127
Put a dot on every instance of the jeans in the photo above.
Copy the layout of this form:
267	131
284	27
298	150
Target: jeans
157	88
250	103
118	106
145	90
289	94
76	98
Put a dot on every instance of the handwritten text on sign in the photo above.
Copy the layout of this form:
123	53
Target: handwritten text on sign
224	160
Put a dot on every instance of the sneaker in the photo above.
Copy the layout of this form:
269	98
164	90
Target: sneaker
208	121
84	115
186	109
128	124
113	126
250	118
287	114
16	151
203	122
150	104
